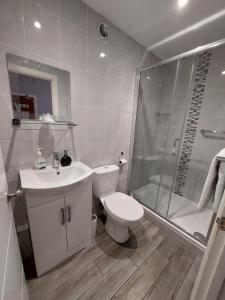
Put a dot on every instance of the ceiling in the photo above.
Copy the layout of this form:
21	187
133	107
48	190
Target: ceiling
162	26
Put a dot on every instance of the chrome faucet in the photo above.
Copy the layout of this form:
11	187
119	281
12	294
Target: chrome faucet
56	161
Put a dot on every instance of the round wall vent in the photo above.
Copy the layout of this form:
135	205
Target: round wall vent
103	31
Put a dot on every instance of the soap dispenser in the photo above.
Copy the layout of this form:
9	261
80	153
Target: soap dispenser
39	161
66	159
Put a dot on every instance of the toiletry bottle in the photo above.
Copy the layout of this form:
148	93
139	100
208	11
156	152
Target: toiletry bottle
39	161
66	159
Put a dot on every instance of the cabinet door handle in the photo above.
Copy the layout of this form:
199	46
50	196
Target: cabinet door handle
68	214
63	216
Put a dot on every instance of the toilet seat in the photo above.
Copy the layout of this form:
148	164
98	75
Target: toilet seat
123	207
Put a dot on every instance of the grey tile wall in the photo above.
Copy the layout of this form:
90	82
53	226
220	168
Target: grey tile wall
102	89
211	117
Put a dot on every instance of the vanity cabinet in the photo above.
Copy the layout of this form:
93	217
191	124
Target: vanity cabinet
47	232
60	225
78	218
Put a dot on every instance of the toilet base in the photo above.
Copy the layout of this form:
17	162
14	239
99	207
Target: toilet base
116	230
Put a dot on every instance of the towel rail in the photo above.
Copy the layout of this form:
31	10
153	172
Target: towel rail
220	134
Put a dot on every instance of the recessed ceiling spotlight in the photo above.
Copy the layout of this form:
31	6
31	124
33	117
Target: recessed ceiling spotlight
102	55
223	72
182	3
37	24
148	77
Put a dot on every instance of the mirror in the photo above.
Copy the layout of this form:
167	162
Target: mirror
38	90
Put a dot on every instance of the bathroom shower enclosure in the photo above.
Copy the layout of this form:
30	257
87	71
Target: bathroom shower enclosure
180	126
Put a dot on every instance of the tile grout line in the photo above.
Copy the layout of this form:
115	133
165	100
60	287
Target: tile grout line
126	280
149	254
102	277
178	285
153	285
99	268
173	297
132	261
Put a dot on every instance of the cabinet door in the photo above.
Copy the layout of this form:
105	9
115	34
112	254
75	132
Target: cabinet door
79	207
48	234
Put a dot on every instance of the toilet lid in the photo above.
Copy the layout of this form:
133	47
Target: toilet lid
123	207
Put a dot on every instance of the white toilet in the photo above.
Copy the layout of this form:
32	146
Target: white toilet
121	209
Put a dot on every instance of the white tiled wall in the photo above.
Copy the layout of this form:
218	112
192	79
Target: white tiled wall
212	118
102	89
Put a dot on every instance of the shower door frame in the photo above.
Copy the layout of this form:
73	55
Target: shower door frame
178	57
186	54
188	97
178	68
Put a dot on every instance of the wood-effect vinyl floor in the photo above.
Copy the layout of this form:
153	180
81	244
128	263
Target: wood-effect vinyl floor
151	265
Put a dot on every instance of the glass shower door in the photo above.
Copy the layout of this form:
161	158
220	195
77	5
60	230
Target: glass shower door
160	117
177	114
152	126
205	111
180	118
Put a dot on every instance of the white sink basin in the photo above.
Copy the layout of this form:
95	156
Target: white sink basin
51	179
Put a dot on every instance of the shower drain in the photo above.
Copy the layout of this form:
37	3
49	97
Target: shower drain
200	237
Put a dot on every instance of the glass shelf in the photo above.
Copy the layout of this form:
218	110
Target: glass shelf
19	123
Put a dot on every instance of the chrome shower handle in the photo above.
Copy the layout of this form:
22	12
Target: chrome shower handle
175	146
